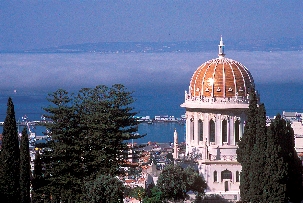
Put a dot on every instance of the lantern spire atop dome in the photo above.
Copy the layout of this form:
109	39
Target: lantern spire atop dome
221	48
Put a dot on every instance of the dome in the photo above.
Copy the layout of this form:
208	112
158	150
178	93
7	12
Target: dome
221	77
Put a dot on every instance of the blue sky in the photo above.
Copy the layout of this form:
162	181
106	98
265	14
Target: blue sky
28	24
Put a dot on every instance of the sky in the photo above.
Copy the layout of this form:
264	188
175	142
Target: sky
31	24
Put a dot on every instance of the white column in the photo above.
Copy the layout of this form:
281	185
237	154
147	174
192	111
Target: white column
187	134
232	129
218	134
228	132
206	128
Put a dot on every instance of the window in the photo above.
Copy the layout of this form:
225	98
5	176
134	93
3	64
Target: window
237	176
215	176
226	186
226	174
224	130
237	128
200	130
212	131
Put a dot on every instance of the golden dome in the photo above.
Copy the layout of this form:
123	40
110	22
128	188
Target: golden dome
221	77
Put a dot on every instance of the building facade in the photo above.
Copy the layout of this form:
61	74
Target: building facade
216	107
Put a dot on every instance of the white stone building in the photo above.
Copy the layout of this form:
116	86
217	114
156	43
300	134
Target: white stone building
216	109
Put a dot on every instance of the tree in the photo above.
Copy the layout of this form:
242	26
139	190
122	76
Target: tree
195	181
138	193
10	158
153	195
62	159
283	167
294	181
275	168
38	181
257	177
271	169
246	145
89	131
25	168
174	182
104	189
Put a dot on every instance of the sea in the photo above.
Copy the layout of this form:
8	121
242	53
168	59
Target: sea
158	81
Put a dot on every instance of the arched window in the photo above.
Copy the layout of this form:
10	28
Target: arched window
224	130
200	130
215	176
226	174
212	131
192	127
237	129
237	176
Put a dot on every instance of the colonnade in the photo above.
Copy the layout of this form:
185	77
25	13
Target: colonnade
207	129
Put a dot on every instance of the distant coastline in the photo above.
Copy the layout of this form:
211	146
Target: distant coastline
283	44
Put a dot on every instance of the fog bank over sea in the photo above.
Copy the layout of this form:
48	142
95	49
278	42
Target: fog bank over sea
157	79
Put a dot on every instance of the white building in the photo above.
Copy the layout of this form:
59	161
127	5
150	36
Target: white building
216	109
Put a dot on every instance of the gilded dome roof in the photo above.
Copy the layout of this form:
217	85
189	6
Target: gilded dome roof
221	77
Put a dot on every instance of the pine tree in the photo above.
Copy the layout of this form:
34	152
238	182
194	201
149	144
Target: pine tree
25	170
246	146
89	131
10	157
64	167
38	181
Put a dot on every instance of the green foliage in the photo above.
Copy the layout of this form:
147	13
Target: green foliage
10	158
257	177
174	182
155	196
104	189
271	169
89	131
283	166
138	193
38	180
276	168
246	145
25	170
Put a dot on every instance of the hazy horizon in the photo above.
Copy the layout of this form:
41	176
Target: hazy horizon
158	79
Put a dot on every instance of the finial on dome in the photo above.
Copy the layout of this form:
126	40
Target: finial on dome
221	48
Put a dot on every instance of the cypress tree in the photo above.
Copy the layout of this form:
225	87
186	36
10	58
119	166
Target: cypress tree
294	180
25	170
276	169
258	159
10	157
246	145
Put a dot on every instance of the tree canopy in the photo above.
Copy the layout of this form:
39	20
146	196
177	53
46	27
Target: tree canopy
174	182
271	169
10	157
25	168
104	189
89	131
